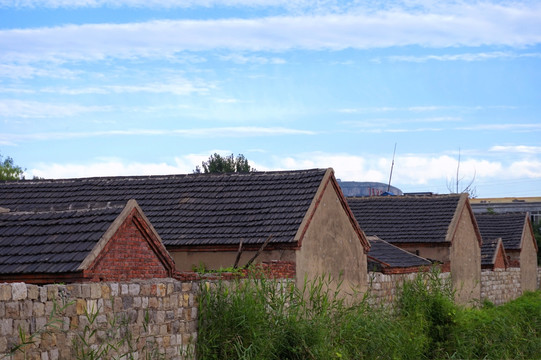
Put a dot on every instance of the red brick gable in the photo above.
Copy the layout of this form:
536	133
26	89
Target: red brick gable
134	251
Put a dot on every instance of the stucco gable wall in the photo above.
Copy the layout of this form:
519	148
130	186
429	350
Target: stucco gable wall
331	246
465	259
528	260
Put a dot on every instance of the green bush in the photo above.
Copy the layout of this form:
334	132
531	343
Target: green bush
268	319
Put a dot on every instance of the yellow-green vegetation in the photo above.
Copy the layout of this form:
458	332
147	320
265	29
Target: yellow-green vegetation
268	319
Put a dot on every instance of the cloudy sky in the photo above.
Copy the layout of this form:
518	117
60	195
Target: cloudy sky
133	87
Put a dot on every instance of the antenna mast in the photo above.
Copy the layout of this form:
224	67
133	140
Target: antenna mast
391	174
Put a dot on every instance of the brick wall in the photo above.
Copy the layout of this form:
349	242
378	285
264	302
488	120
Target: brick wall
501	285
131	253
160	315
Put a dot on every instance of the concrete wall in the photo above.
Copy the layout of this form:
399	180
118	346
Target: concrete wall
501	285
332	246
214	260
528	261
169	305
465	259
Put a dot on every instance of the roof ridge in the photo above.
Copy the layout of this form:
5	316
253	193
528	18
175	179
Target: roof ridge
166	176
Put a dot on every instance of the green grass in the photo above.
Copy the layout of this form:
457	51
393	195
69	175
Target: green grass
267	319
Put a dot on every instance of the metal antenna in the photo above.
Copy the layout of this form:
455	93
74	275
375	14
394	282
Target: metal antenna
392	165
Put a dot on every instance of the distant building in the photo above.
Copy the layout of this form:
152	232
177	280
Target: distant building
358	188
532	205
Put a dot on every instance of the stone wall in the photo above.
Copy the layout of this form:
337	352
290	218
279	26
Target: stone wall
383	288
142	317
500	285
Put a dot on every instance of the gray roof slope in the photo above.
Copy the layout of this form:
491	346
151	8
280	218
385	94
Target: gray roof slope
393	256
406	218
488	250
194	209
51	242
508	226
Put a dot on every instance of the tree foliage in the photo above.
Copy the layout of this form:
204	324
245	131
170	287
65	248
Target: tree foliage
224	164
10	171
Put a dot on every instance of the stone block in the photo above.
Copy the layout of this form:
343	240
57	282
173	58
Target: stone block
42	294
134	289
26	309
32	291
186	286
5	292
3	344
92	306
6	327
115	289
105	291
95	290
80	306
124	289
145	289
54	354
52	292
161	290
12	310
74	290
85	290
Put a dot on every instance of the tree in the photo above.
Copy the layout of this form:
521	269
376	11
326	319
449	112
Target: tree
224	164
537	234
10	171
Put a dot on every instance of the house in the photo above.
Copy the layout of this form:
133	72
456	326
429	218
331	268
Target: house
531	205
493	254
103	244
390	259
441	228
516	232
209	219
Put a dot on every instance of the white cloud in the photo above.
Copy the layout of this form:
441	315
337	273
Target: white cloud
244	59
177	87
503	127
111	168
516	149
461	57
142	3
221	132
413	169
470	25
34	109
14	71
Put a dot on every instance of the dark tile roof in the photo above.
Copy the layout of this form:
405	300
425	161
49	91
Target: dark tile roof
488	250
393	256
509	227
194	209
50	242
406	218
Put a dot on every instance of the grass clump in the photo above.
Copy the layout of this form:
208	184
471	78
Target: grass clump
257	318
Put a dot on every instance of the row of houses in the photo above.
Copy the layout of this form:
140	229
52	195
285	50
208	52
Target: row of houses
296	224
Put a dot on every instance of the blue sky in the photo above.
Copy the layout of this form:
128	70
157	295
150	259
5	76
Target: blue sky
136	87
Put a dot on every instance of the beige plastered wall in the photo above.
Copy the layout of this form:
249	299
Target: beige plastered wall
214	260
528	261
465	256
331	246
439	252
